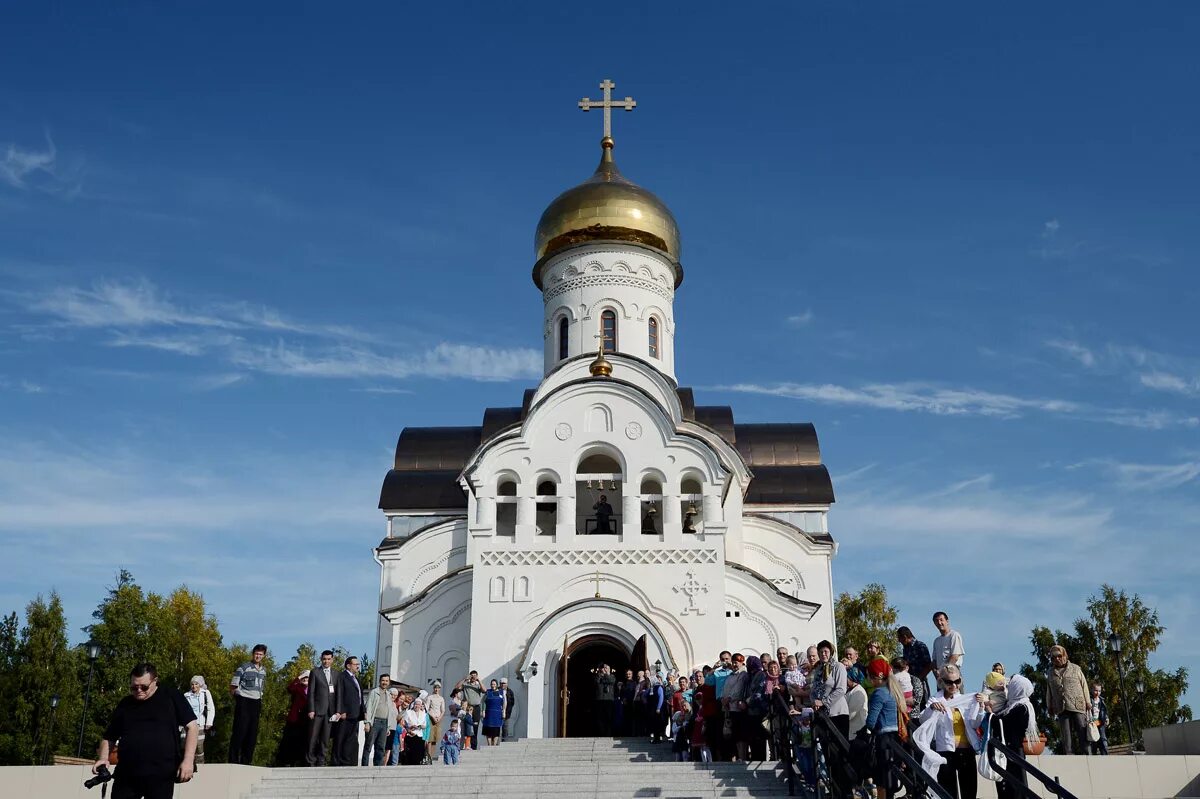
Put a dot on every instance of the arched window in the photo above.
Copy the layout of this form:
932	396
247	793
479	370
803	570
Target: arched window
563	328
653	337
608	330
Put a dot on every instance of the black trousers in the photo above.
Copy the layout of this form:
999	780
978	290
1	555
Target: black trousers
130	787
604	718
244	737
345	743
959	776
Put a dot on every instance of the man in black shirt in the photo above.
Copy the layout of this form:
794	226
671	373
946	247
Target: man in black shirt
604	513
146	723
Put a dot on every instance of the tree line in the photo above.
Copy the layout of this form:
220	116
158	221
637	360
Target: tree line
868	616
175	632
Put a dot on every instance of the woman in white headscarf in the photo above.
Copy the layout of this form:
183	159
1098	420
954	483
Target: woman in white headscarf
1017	723
414	722
948	737
200	699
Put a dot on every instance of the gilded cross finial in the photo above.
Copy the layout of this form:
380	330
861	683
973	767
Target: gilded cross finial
598	579
608	104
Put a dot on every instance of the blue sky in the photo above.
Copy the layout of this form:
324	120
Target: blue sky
239	254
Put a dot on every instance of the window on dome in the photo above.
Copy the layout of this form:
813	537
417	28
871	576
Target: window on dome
653	337
563	329
608	330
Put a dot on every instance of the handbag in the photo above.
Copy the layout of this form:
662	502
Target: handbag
985	764
727	727
1093	732
902	720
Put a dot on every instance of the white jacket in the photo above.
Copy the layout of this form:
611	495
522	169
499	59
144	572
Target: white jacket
203	706
936	732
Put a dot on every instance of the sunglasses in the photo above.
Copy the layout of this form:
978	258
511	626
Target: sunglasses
140	689
953	682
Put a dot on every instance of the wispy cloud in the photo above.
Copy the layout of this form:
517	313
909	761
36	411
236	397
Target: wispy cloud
257	338
1148	368
20	164
21	385
965	401
1145	476
1075	350
801	319
1050	228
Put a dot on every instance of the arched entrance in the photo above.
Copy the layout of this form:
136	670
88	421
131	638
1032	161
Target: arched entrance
584	626
584	657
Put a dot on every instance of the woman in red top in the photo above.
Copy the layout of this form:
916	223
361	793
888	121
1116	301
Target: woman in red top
294	742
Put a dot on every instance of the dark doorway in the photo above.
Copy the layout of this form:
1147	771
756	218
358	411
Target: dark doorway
584	655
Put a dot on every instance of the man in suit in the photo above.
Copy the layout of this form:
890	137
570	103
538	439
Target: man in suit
351	711
322	697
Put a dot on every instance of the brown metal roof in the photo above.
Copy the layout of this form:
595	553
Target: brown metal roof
790	485
425	448
778	444
434	489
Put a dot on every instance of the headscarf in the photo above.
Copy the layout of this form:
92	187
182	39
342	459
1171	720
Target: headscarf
199	679
1019	691
753	665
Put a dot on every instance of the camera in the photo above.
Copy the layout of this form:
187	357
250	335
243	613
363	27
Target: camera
103	775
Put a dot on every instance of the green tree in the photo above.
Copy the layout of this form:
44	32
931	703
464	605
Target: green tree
39	665
865	617
1110	611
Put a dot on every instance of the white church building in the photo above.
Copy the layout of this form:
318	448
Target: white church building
501	556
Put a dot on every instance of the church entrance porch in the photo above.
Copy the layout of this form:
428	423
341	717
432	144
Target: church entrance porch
584	717
572	640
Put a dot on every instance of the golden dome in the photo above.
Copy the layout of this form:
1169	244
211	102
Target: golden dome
606	207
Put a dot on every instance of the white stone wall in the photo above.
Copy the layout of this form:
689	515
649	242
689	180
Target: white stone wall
637	284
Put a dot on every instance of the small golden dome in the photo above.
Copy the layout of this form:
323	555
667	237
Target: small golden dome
606	207
601	367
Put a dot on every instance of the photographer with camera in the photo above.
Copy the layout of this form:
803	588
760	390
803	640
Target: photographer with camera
153	754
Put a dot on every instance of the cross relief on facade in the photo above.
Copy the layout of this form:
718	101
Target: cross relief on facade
691	588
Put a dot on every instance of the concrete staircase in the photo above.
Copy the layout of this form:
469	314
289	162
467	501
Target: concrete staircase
581	768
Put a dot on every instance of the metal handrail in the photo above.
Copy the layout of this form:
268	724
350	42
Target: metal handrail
828	739
784	742
1051	784
907	770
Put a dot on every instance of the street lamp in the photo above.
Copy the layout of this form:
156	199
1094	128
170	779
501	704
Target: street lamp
657	666
93	652
533	668
1114	645
50	734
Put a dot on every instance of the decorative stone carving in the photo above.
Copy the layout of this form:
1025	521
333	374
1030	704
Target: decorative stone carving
597	557
691	588
562	431
633	431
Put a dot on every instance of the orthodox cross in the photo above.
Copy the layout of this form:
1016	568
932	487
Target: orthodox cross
598	579
691	588
587	104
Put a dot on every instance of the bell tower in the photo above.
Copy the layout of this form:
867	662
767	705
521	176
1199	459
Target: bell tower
608	265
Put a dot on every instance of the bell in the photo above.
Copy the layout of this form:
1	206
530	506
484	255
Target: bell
589	485
612	485
653	510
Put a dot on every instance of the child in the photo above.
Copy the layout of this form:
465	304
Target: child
451	744
804	740
468	726
700	751
995	686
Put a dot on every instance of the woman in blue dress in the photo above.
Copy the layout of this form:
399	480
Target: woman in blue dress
493	713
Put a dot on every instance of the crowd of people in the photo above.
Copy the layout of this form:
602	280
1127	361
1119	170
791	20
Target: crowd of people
739	708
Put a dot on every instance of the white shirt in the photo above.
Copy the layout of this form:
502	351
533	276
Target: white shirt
946	645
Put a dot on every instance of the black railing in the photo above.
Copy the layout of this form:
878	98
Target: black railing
905	771
1017	770
590	524
836	776
782	736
